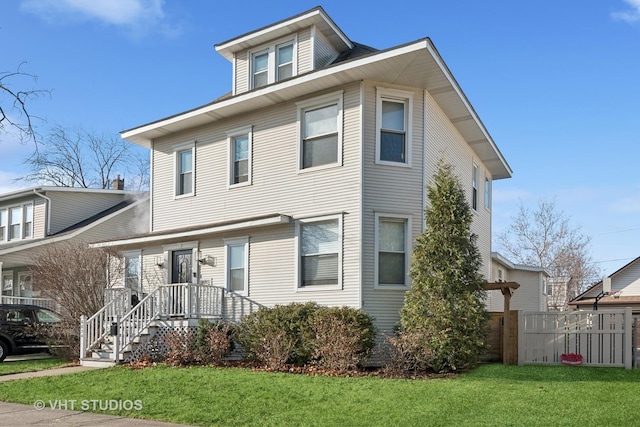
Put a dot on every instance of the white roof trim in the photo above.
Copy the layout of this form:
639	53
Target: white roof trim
275	220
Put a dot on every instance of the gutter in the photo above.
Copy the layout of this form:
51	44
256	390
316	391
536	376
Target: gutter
48	231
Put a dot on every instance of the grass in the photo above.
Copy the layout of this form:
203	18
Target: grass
493	395
15	367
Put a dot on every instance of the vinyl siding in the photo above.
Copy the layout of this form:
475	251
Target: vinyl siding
528	297
241	72
388	189
305	51
39	218
323	52
69	208
277	187
627	280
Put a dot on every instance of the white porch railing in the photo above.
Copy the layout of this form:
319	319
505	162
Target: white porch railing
41	302
602	337
176	300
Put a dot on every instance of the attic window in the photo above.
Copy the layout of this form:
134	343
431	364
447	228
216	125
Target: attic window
273	63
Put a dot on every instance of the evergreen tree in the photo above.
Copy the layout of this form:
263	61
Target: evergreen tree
444	308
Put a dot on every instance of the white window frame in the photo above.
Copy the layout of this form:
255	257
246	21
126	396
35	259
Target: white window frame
4	225
7	274
298	253
27	221
314	104
272	61
228	244
11	222
132	254
408	239
176	165
400	96
231	137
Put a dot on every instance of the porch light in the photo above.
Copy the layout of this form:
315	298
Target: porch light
159	262
208	260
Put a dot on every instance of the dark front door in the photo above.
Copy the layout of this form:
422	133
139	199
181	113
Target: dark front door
181	266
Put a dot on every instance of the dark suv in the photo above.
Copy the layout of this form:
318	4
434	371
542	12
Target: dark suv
18	327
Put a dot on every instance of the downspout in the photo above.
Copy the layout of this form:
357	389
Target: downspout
48	221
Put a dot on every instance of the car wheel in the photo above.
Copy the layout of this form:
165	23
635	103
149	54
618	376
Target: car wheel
4	350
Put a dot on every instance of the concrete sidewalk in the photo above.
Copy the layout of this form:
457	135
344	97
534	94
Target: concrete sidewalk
42	413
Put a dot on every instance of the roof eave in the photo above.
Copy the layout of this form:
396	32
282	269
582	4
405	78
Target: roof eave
443	88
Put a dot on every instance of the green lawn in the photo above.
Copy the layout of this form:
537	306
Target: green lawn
15	367
491	395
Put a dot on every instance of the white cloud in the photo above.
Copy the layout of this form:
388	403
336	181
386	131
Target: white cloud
136	15
630	15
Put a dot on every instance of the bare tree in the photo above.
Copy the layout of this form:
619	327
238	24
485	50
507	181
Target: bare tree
77	158
78	286
546	238
14	112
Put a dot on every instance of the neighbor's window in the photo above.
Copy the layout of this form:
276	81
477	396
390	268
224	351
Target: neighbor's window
15	219
393	126
321	131
240	157
320	245
185	170
27	226
3	225
237	265
392	250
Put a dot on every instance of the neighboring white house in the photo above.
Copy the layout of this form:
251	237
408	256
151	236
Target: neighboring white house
624	285
308	182
33	218
530	296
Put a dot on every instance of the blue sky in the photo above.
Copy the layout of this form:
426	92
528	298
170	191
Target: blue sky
556	82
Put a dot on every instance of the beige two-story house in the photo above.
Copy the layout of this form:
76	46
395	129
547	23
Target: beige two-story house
307	182
33	218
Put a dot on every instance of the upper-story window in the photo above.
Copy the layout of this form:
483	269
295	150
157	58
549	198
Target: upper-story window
16	222
240	156
393	123
185	166
487	193
320	123
273	63
3	225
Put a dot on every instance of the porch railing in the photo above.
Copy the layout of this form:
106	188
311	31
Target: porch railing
176	300
41	302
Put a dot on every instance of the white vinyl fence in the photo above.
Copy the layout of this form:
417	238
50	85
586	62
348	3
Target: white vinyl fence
602	338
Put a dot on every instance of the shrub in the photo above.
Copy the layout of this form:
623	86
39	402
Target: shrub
279	335
344	337
214	341
407	352
62	339
181	348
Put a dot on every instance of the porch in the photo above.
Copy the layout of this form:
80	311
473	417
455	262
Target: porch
41	302
113	332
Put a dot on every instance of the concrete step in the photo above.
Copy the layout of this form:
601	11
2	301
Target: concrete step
97	363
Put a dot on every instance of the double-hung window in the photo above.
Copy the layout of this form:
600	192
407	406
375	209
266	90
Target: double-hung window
185	165
320	253
3	225
320	131
239	157
237	261
15	222
393	138
272	63
393	250
27	225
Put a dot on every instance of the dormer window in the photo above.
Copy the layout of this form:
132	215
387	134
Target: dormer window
273	63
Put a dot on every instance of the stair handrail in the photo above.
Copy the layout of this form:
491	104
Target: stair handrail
94	329
135	321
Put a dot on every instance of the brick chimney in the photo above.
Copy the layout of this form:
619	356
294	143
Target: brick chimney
118	184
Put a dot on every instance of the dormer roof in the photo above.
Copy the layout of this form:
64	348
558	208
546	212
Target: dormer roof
315	17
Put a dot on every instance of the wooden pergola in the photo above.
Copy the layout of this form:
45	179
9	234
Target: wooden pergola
507	289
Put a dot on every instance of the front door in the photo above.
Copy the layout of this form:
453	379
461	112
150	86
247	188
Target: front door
181	266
